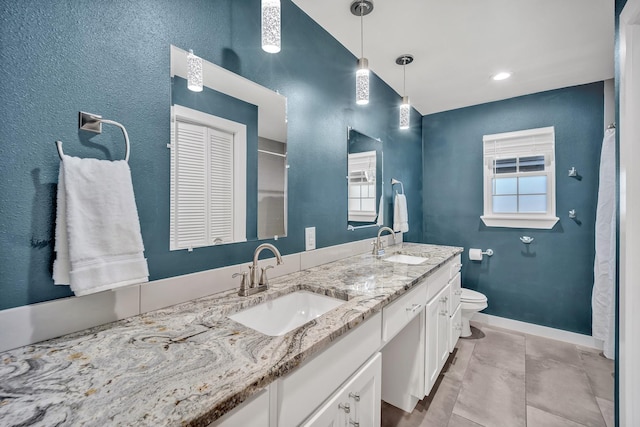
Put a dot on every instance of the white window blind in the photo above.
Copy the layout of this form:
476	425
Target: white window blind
208	176
519	179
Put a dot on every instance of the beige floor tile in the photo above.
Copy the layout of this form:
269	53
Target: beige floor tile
608	411
458	421
599	370
501	350
539	418
434	410
562	389
543	348
457	368
491	396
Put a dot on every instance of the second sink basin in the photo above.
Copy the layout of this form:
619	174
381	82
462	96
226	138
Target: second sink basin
283	314
405	259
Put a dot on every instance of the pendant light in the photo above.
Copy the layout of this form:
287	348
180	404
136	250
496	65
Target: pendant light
405	106
271	26
194	72
361	8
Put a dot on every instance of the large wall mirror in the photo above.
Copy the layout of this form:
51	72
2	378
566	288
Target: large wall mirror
228	159
364	180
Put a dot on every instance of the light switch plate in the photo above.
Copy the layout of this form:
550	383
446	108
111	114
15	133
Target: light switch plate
309	238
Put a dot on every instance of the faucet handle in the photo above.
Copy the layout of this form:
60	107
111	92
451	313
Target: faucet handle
243	281
263	277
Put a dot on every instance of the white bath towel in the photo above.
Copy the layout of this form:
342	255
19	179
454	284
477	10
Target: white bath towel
98	240
400	214
380	220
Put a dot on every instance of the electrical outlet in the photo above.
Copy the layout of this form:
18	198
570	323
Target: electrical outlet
309	238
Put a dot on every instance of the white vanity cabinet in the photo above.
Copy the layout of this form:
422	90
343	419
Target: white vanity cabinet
356	403
455	313
442	314
304	390
252	413
436	336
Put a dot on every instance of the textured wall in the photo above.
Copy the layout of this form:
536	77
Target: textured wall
549	283
112	58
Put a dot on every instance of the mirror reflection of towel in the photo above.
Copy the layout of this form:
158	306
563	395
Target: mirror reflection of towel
380	221
400	214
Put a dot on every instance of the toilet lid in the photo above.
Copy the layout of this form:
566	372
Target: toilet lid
472	296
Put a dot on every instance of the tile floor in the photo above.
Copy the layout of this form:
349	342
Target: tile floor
504	378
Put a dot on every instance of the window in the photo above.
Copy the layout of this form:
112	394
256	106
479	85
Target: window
362	186
519	179
208	180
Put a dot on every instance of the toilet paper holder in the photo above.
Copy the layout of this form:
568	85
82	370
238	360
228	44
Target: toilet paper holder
472	257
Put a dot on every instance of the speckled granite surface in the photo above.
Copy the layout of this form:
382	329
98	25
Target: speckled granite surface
189	364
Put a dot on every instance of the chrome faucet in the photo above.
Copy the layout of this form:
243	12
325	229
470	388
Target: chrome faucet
257	284
378	246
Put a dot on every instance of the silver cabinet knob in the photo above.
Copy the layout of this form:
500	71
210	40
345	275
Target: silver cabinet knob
345	407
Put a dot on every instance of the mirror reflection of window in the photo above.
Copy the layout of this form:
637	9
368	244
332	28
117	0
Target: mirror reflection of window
208	170
362	186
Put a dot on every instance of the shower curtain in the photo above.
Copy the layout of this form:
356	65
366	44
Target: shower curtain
604	269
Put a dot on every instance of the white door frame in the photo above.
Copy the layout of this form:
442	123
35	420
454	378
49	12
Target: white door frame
629	128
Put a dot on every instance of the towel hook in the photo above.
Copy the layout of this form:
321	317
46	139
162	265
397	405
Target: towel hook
93	123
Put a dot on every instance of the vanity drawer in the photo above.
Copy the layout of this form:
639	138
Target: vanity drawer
455	265
398	314
441	277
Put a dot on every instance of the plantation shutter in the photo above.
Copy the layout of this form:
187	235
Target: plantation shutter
221	186
201	187
189	212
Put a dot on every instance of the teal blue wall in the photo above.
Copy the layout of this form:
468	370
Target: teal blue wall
549	282
112	58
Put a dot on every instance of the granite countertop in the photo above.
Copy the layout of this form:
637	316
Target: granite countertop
189	364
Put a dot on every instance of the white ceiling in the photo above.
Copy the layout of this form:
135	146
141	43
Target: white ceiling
459	44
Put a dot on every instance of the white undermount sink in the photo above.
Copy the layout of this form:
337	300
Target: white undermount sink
405	259
280	315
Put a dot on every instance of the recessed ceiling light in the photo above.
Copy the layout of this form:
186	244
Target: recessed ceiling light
502	75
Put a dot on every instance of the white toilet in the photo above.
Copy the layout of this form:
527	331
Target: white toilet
471	302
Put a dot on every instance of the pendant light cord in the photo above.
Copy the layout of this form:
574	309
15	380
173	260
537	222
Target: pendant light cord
404	78
361	31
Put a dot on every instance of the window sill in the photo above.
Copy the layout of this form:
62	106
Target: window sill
520	221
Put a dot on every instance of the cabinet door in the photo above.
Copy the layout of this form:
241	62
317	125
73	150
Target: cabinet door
432	313
443	326
455	328
355	403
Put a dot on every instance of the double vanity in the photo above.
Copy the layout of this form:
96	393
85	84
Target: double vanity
388	325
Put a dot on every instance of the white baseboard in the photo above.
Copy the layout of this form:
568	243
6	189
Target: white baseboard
538	330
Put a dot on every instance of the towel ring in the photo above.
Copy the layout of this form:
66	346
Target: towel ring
394	182
93	123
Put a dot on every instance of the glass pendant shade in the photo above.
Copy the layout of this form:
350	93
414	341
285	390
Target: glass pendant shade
194	72
405	113
271	26
362	82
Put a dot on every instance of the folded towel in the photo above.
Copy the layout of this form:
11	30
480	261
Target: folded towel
380	220
98	241
400	214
